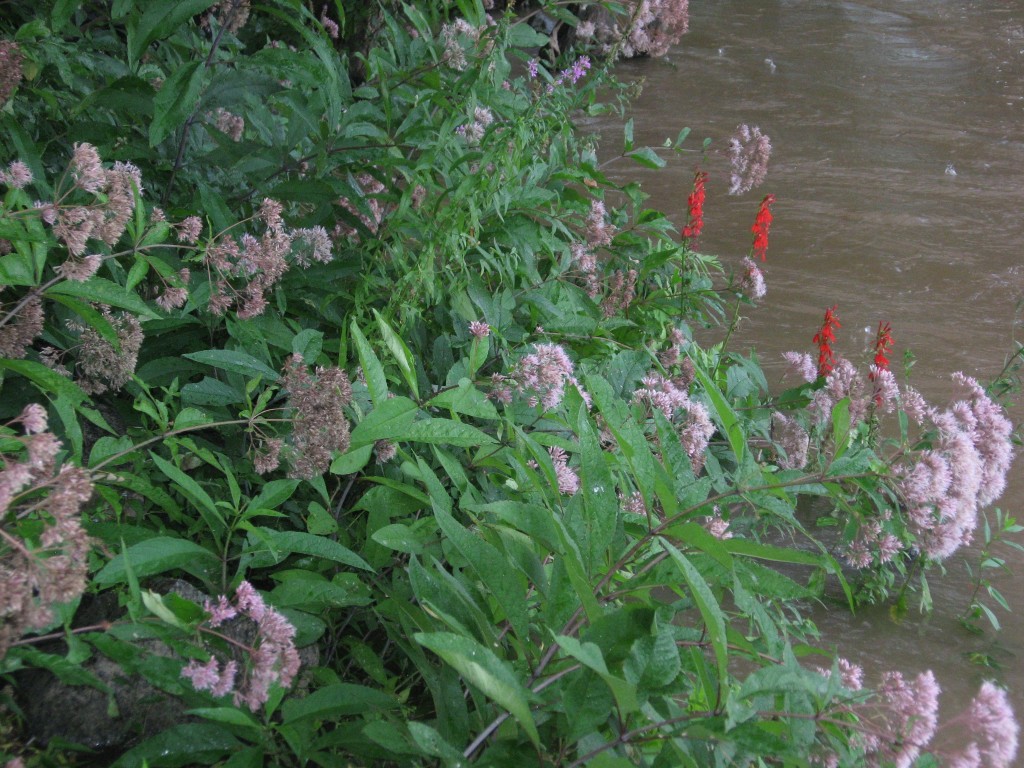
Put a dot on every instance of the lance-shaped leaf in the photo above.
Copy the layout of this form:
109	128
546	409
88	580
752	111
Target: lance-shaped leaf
709	609
480	667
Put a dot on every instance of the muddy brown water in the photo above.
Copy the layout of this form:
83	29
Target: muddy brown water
898	164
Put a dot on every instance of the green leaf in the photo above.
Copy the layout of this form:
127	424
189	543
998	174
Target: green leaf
181	745
160	20
67	672
311	592
103	291
227	715
308	343
62	10
591	657
738	546
432	743
467	400
376	381
481	668
399	351
234	361
270	547
154	604
158	555
524	36
176	100
194	493
841	427
446	432
46	379
389	420
710	611
647	157
488	563
726	416
211	392
400	538
335	701
273	494
352	461
600	507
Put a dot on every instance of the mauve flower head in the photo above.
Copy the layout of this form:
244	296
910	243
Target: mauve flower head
17	176
479	329
568	480
886	391
633	504
220	611
78	270
749	152
802	365
33	418
717	526
11	60
751	282
385	451
203	676
229	123
661	393
697	433
545	372
87	168
792	440
190	229
599	232
994	726
621	292
330	25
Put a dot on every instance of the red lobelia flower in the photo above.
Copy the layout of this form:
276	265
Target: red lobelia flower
824	339
883	347
695	202
762	223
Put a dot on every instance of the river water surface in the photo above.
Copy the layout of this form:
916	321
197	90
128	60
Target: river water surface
898	164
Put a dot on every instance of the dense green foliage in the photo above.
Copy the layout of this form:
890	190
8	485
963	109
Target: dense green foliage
423	375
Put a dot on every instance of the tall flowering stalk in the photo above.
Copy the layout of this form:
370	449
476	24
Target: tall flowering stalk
824	339
762	223
883	348
695	203
751	283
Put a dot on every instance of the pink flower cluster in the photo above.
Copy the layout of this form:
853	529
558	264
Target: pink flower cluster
473	132
568	479
654	27
50	565
543	373
572	74
369	210
319	426
272	659
751	281
962	471
900	723
749	152
258	263
670	395
876	389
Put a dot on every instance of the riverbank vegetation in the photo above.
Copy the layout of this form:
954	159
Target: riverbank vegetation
352	414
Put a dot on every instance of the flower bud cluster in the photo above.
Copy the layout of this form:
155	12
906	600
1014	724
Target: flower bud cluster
273	657
39	568
247	268
319	426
